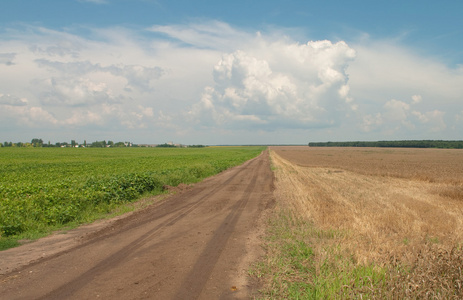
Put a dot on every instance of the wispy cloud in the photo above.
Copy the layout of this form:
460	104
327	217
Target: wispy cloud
211	34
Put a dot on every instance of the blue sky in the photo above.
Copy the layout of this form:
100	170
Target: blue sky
230	72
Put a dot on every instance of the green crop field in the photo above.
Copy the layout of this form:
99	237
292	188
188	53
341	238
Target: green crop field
44	188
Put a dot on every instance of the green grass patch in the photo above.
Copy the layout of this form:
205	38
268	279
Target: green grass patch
43	189
9	242
304	262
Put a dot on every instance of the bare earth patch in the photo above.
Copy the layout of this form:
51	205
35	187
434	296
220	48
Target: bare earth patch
60	241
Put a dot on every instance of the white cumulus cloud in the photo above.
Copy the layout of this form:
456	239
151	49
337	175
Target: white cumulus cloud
434	120
210	82
398	117
12	100
27	116
7	58
262	91
417	99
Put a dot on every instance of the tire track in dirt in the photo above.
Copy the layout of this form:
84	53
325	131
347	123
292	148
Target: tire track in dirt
64	292
163	211
198	276
190	246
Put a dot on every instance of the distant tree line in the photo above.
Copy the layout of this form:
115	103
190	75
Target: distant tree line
97	144
39	143
170	145
398	144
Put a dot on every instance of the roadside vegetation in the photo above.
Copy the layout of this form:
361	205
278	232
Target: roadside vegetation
43	189
339	234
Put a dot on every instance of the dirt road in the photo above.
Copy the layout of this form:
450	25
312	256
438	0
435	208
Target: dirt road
197	244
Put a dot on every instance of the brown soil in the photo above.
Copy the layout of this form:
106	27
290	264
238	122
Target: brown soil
197	244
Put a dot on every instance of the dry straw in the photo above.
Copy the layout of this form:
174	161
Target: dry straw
397	219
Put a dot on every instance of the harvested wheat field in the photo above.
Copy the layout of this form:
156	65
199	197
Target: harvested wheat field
397	211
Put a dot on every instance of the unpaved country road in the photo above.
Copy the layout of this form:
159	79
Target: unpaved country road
195	245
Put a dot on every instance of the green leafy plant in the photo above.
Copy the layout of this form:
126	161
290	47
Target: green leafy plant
45	188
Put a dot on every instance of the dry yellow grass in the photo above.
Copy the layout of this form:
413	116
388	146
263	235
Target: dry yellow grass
381	215
394	216
435	165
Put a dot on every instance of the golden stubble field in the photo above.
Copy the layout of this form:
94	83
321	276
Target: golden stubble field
387	206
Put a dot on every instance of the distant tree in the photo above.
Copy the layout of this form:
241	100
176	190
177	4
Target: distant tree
73	143
37	142
48	145
99	144
110	143
166	146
